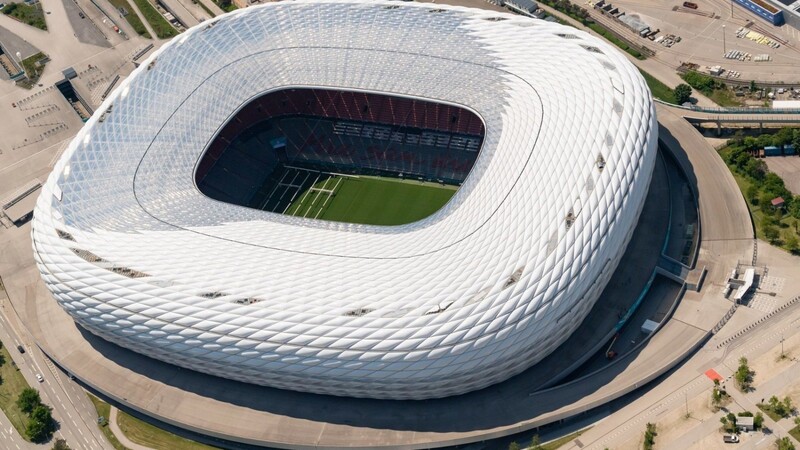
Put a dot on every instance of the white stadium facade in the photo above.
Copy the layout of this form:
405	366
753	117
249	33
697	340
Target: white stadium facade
473	294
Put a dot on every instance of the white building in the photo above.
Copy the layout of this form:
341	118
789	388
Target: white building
477	292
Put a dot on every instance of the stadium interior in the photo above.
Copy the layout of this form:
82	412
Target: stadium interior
285	143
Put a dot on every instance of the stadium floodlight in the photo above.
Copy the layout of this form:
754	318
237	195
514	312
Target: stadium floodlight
469	296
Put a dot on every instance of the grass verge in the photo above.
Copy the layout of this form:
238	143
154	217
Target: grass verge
205	8
28	14
151	436
795	432
725	97
558	443
373	201
659	90
159	24
786	224
609	36
769	411
13	383
104	410
33	67
131	17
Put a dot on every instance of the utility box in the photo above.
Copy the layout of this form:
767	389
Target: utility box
649	326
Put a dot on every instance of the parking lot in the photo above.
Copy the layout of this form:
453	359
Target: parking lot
709	32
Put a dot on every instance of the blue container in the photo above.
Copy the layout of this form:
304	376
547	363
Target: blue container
772	151
775	18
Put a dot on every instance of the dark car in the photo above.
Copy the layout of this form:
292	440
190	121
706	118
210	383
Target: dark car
21	349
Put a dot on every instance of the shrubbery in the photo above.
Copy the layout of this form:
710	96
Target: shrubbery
40	425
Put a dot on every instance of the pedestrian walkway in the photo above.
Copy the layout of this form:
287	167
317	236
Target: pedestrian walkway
112	422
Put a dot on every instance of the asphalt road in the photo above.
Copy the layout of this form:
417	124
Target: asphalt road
83	27
72	409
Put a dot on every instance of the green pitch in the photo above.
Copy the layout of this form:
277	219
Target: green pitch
373	201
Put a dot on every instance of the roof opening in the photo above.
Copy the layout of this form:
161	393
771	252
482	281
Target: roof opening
342	156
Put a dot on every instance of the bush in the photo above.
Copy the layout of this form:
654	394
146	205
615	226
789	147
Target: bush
650	436
702	83
743	375
28	14
40	424
160	25
28	400
784	443
682	92
758	421
61	444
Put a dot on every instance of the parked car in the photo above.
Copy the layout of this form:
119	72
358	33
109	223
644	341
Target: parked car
81	14
730	439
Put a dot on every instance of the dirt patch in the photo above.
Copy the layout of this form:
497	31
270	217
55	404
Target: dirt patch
770	363
674	424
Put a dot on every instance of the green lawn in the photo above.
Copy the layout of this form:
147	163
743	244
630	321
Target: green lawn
659	90
28	14
151	436
558	443
787	223
725	97
34	66
609	36
205	8
160	25
768	411
13	383
132	18
795	432
373	201
104	411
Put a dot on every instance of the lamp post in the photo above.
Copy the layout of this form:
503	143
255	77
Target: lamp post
782	354
724	51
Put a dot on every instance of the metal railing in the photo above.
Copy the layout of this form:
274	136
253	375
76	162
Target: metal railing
739	110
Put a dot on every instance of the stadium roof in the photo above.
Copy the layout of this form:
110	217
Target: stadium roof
473	294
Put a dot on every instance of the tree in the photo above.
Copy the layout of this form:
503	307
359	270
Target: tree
756	168
772	234
783	137
650	436
682	93
796	139
743	375
753	86
790	239
61	444
787	405
752	194
40	424
764	140
758	421
513	446
750	143
28	400
536	443
784	444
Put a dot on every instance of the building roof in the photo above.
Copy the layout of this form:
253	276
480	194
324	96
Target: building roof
744	421
487	286
777	201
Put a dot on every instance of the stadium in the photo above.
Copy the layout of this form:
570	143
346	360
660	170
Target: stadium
365	199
